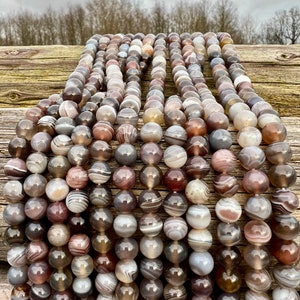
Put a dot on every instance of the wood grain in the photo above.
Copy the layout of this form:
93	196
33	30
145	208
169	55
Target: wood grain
29	74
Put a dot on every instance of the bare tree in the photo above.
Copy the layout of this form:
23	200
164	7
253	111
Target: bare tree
283	28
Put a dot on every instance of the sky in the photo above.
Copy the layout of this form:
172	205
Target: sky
261	10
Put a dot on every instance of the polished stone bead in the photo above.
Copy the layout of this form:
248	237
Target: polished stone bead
77	201
59	257
15	169
197	167
13	191
197	191
251	295
40	291
153	114
16	256
198	216
228	257
58	235
150	201
101	219
151	289
258	280
41	142
228	282
201	263
57	212
274	132
25	129
287	276
200	239
174	292
68	108
87	115
175	135
106	113
105	262
224	161
17	276
285	227
39	272
255	182
220	139
124	201
124	178
284	201
36	250
100	195
127	291
61	279
175	275
257	257
175	156
249	136
151	268
285	293
58	166
35	208
228	210
229	234
82	266
35	185
126	270
217	120
125	225
103	130
176	251
64	125
175	204
175	228
99	172
195	127
228	296
19	147
125	154
150	224
127	116
14	214
106	284
35	231
285	251
126	133
197	146
61	144
225	185
14	235
202	286
151	133
257	232
151	247
77	177
175	179
245	118
100	150
279	153
282	176
151	153
150	176
101	242
269	116
78	155
63	295
252	157
126	248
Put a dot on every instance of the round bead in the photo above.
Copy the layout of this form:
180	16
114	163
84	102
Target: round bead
65	125
229	283
59	257
151	153
175	275
284	201
14	214
279	153
35	185
57	189
35	231
151	289
258	280
17	276
197	167
175	204
35	208
58	235
175	228
101	219
195	126
258	207
202	286
151	268
100	150
228	210
99	172
125	225
274	132
19	147
244	118
287	276
257	232
229	234
249	136
106	283
197	191
285	227
151	247
126	270
82	287
101	243
61	144
15	169
78	155
226	185
40	291
39	272
126	248
150	201
77	201
251	157
175	179
198	216
199	239
126	154
223	161
13	191
175	156
282	176
127	291
229	257
103	130
255	182
201	263
16	256
124	178
150	224
220	139
284	293
82	266
151	132
126	133
150	176
175	135
176	251
257	257
100	196
249	295
41	142
57	212
174	292
285	251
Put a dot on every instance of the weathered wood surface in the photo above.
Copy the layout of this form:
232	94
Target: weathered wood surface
29	74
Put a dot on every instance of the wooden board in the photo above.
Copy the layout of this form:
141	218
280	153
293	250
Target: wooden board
29	74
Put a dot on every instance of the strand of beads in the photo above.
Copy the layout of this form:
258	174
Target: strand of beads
224	162
257	232
124	177
150	200
282	176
